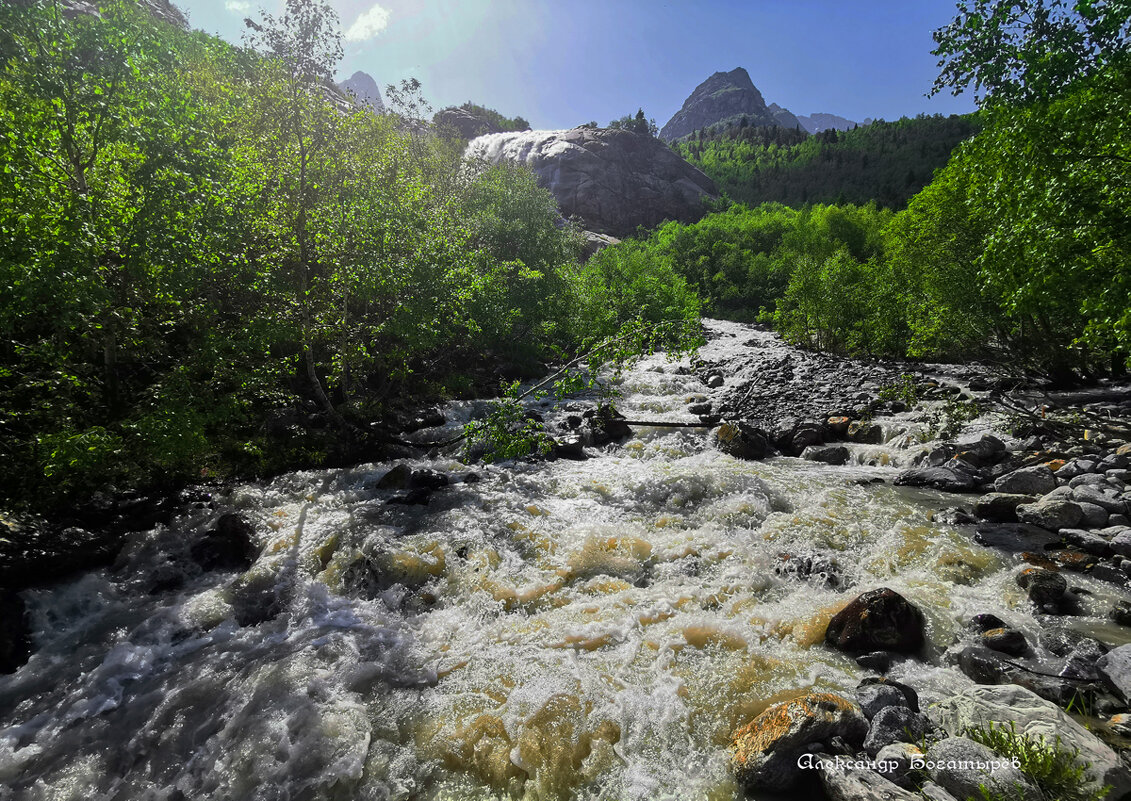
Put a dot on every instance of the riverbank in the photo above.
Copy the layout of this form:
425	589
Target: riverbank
596	627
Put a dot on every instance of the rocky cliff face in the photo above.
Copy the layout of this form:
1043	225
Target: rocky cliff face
612	180
725	97
815	123
784	118
362	86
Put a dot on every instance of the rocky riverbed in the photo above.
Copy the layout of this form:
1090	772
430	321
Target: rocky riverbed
658	612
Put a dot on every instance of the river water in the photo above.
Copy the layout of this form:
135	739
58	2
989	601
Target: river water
561	629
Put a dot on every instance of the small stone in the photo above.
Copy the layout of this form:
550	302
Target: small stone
1006	640
986	621
1121	614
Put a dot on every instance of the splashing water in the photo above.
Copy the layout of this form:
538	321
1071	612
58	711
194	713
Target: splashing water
562	629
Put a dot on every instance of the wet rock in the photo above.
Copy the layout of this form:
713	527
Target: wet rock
603	426
1045	588
764	752
742	441
1059	640
829	454
1082	659
34	553
1106	498
258	599
850	783
699	408
1121	543
881	619
1086	541
15	636
873	698
1034	716
838	425
896	760
429	418
230	545
1000	507
714	381
396	478
1114	669
427	479
1093	516
1052	515
569	448
947	479
910	697
1014	537
895	724
954	768
983	665
414	497
879	661
865	433
1121	613
1034	480
822	569
985	622
1006	640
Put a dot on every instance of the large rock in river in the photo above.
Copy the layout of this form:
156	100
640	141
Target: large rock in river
879	620
613	180
764	752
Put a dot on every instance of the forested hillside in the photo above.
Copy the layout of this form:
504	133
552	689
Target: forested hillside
885	162
209	267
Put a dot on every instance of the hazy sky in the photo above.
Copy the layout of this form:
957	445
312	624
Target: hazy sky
559	64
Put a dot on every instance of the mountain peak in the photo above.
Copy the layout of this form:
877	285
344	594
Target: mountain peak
362	86
724	97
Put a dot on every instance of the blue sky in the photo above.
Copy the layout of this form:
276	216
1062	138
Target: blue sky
563	63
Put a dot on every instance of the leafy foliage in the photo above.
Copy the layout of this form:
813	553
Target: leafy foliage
212	265
1058	772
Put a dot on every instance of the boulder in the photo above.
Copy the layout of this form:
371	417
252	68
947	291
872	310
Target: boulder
829	454
613	180
1014	536
1034	716
15	636
948	479
953	764
865	433
1034	480
881	619
850	783
230	545
764	752
396	478
1114	669
1044	587
743	441
874	698
1052	515
1000	507
895	724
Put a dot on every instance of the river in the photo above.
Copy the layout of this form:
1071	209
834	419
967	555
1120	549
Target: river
592	629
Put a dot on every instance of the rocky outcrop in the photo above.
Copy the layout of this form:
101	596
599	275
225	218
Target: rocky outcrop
1009	704
160	9
364	89
465	124
784	118
612	180
724	98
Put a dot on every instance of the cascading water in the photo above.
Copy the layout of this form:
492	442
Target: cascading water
590	629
